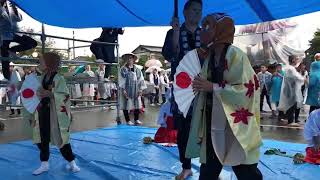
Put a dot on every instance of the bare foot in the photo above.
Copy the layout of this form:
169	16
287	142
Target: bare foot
184	174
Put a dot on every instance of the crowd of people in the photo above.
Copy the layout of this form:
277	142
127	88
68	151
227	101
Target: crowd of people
288	89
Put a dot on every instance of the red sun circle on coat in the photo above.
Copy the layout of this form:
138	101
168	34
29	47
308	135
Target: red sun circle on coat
28	93
183	80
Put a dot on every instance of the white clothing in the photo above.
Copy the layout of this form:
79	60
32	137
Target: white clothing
164	83
88	89
153	82
312	127
291	89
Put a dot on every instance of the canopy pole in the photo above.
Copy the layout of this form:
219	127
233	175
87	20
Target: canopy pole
68	50
43	39
175	13
73	44
118	119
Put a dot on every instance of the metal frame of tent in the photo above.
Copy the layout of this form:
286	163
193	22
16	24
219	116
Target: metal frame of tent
35	61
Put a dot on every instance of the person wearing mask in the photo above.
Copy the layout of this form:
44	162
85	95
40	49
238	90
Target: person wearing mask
131	83
155	82
164	84
225	129
179	41
52	120
102	89
291	97
75	89
276	83
88	88
313	85
8	29
265	82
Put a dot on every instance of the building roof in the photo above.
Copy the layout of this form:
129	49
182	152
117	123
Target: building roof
155	49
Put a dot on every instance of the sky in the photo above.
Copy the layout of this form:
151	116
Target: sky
133	37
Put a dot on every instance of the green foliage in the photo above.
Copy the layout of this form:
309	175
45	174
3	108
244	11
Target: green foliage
49	45
142	60
314	45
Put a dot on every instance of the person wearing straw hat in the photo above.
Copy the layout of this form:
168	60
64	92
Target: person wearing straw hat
52	120
155	82
131	83
164	84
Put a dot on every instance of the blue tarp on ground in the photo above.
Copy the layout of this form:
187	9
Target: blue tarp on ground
128	13
118	153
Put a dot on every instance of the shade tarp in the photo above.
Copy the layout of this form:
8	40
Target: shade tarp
118	153
129	13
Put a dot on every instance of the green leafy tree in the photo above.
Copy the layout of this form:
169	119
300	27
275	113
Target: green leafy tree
49	45
314	45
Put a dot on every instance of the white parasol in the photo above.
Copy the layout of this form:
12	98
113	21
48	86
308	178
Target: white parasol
153	62
150	69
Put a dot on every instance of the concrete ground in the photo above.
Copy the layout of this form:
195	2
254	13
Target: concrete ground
87	119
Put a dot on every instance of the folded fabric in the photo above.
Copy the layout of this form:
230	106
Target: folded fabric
312	156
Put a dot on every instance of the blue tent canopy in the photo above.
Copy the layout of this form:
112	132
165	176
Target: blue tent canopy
134	13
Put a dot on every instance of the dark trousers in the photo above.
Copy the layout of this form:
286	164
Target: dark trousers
142	101
135	113
212	169
102	99
163	98
293	114
107	70
44	123
312	108
183	127
106	53
281	114
24	43
18	111
264	93
155	97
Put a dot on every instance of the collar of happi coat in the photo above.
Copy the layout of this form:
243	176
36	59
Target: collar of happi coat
184	38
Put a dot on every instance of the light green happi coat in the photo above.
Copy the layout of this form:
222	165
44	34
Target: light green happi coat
235	120
60	114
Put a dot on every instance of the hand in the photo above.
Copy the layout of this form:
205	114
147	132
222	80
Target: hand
175	24
42	93
317	147
316	140
125	94
201	84
140	94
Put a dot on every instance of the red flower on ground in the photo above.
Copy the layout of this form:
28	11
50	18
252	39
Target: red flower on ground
241	116
256	82
64	109
27	93
183	80
250	87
